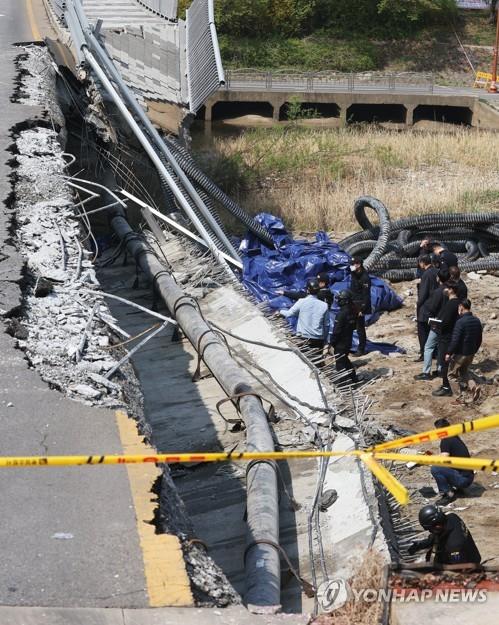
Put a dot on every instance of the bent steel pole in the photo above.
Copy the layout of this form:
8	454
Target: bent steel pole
262	565
152	153
93	44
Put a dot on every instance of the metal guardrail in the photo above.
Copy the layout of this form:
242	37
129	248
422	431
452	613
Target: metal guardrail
205	73
164	8
323	82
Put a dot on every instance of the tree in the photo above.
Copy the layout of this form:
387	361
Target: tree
416	10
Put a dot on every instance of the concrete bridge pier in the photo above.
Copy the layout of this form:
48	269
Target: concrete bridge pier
404	109
409	118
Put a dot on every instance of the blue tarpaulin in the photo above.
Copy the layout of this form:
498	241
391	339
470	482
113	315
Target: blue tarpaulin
295	261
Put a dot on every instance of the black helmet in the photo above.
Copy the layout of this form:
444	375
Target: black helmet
313	287
323	277
344	297
431	517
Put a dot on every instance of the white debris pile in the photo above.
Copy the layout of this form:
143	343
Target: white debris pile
36	83
67	341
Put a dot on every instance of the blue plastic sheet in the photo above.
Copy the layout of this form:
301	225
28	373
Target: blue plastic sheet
295	261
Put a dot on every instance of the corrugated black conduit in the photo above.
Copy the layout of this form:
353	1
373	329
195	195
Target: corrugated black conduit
197	176
384	226
208	202
391	249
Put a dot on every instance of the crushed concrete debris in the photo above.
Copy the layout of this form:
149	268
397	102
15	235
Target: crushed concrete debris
56	310
36	82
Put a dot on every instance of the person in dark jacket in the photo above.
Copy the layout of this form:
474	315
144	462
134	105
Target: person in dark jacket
450	541
430	309
325	294
448	316
465	342
341	337
425	249
455	276
450	481
426	287
360	287
444	257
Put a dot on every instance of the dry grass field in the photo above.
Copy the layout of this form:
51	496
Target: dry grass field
312	176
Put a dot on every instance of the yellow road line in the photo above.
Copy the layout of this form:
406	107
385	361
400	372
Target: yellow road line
164	567
32	21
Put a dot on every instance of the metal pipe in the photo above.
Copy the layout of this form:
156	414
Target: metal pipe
176	225
152	153
96	47
493	84
262	566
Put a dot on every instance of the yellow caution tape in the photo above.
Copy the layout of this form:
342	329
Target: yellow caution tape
484	423
398	490
475	464
171	458
368	456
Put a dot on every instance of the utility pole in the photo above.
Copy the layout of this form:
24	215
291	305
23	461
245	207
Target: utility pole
493	84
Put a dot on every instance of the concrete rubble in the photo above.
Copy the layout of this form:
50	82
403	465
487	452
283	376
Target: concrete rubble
59	271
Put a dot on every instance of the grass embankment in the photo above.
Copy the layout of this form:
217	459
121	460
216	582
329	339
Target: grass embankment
431	49
311	177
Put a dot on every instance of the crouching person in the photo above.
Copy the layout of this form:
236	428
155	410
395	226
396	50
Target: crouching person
449	542
313	317
451	481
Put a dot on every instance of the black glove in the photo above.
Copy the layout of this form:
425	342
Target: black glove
413	547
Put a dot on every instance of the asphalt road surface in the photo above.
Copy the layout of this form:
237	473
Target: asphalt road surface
99	561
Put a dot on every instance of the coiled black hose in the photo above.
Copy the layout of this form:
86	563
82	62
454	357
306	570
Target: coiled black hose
484	248
361	247
443	220
384	226
472	249
196	175
398	275
491	263
363	235
470	236
403	237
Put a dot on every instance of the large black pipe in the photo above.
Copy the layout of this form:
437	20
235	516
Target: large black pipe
262	566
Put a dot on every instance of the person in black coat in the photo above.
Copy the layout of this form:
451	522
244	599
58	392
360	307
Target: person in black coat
455	276
360	287
465	342
430	309
450	541
448	316
341	337
325	292
426	287
444	257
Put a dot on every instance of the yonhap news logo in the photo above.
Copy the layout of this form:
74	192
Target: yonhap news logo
335	593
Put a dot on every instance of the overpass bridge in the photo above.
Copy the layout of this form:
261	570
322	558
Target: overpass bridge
400	98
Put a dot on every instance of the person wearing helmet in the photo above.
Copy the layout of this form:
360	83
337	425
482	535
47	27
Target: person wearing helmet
341	337
360	286
450	541
324	292
313	316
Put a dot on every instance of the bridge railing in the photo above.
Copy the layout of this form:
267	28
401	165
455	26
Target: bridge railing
250	79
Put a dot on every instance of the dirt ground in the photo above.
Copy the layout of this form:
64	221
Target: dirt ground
401	401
